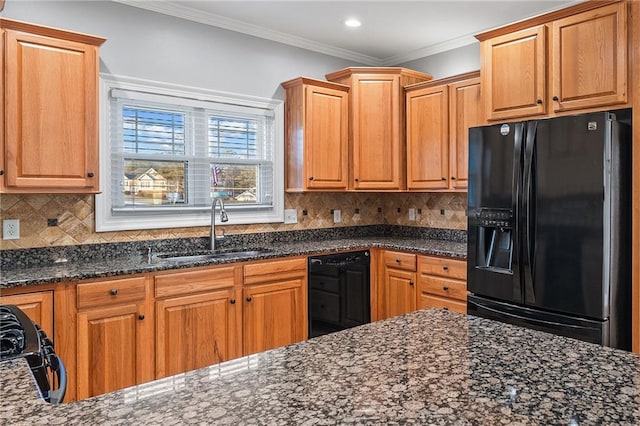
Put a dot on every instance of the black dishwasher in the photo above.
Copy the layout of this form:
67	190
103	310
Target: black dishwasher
339	292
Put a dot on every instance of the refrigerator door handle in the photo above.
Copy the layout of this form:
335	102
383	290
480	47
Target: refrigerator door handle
516	194
528	244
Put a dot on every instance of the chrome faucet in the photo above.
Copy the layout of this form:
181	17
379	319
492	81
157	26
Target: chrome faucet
223	218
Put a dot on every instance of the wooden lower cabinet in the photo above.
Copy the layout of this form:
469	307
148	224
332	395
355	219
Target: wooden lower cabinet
442	283
274	305
114	336
197	328
38	306
398	290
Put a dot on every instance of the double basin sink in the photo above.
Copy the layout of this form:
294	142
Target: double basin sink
178	257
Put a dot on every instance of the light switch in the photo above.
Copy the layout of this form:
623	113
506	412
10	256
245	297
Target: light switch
290	216
337	216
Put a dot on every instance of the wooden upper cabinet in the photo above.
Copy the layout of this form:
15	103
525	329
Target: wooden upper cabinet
51	110
589	52
568	60
317	135
513	74
465	111
439	115
377	132
428	138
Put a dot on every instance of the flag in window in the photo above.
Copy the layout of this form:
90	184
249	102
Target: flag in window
214	176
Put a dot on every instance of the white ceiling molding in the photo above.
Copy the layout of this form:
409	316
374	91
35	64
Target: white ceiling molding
181	11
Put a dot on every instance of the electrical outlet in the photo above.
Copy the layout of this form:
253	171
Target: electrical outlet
290	216
412	214
11	229
337	216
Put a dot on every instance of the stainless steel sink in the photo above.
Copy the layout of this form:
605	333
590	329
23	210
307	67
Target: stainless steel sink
211	255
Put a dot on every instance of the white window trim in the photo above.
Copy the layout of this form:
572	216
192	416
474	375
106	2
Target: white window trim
105	221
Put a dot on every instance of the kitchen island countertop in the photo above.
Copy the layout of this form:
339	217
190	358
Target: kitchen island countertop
426	367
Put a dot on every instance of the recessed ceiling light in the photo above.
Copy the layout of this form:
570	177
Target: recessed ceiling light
352	22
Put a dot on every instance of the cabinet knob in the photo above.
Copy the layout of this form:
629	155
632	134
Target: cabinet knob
249	299
453	178
141	316
445	308
357	180
90	174
397	260
113	291
445	267
539	101
555	98
444	178
445	288
1	172
232	301
310	177
411	283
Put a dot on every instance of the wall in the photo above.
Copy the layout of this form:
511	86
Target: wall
446	64
153	46
75	214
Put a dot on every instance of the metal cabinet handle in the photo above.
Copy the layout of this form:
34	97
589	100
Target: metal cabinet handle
444	178
411	283
555	98
232	301
357	180
453	178
310	177
90	174
1	172
141	316
445	288
539	101
249	299
113	291
397	260
445	267
445	308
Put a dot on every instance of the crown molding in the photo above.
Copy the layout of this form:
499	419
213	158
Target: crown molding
181	11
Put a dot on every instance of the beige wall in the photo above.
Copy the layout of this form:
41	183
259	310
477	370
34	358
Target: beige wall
75	214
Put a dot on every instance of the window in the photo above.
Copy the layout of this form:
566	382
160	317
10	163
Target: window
167	151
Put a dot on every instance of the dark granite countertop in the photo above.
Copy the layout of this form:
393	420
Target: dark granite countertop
131	264
426	367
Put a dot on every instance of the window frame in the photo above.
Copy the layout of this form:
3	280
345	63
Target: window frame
107	220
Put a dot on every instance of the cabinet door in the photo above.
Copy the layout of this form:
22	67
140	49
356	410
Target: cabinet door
465	111
51	114
399	292
273	315
428	138
38	307
513	74
589	53
113	344
195	331
378	151
326	137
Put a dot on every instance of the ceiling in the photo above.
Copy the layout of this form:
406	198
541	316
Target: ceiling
392	32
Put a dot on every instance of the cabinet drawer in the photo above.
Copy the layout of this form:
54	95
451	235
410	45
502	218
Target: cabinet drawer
428	301
443	287
273	270
110	292
398	260
443	267
180	283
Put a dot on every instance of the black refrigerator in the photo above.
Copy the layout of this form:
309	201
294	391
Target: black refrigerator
549	225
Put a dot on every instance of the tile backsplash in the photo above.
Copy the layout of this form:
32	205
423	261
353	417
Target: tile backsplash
75	215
